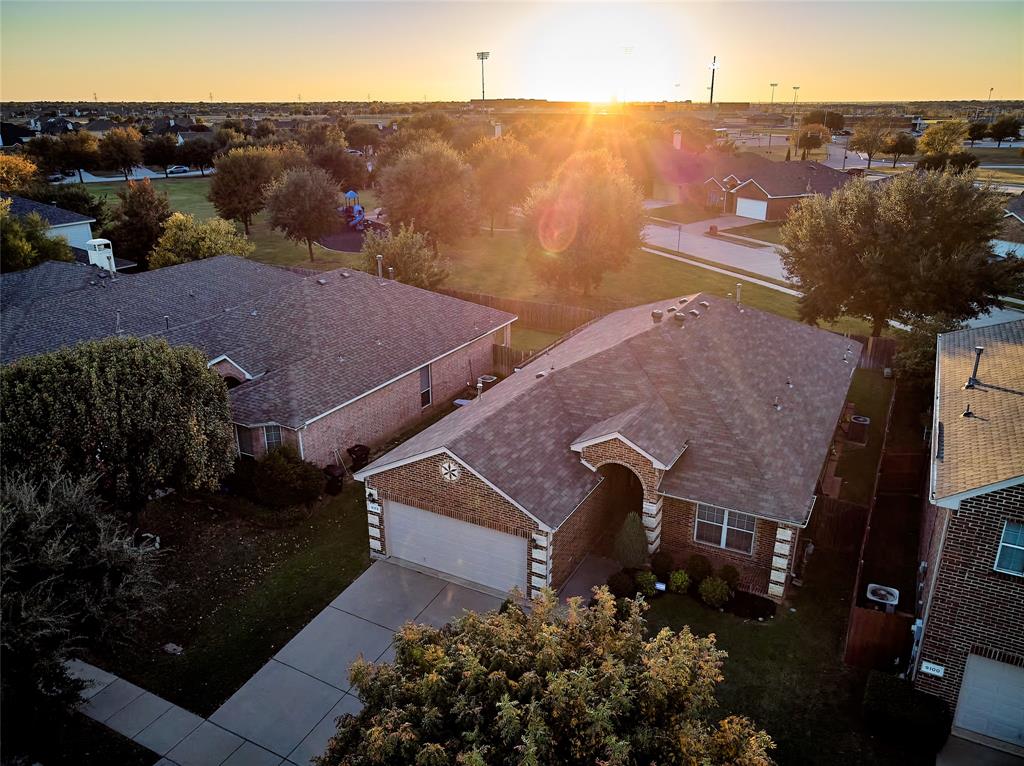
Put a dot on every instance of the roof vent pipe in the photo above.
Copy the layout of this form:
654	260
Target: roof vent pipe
479	389
973	380
656	315
380	267
117	321
680	319
391	272
167	322
739	293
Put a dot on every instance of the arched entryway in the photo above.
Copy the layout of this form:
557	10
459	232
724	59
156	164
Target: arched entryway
623	494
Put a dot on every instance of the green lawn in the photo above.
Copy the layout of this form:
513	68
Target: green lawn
529	339
681	213
238	589
188	195
766	231
498	266
870	392
787	673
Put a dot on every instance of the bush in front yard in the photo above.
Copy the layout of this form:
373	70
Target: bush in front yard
679	581
645	583
279	479
699	568
715	592
631	543
730	574
622	585
662	565
897	711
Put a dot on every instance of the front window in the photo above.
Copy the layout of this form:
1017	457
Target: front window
425	386
273	436
731	530
244	440
1011	549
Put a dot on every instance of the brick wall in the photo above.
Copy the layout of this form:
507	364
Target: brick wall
375	418
677	524
589	529
616	451
973	609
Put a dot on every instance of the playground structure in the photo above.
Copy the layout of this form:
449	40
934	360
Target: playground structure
353	211
354	221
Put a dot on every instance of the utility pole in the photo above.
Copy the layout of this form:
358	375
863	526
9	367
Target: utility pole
771	120
713	66
483	56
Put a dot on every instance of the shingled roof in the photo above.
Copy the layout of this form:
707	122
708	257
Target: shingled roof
311	343
708	388
53	215
975	452
796	178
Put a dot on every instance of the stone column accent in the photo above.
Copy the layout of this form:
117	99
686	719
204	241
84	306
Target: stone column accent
781	556
539	562
375	523
652	524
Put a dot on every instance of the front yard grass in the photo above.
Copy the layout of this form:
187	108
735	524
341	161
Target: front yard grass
680	213
787	674
239	586
870	391
766	231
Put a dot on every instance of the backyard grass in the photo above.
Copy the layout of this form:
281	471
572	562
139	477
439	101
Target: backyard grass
870	392
529	339
787	674
238	588
680	213
766	231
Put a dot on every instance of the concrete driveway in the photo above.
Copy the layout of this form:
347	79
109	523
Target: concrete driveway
689	238
289	707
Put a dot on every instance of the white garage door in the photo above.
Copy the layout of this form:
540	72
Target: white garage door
992	700
752	208
457	547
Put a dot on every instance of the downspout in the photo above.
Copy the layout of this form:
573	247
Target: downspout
302	452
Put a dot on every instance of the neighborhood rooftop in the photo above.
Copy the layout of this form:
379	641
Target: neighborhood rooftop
738	404
53	215
309	342
984	448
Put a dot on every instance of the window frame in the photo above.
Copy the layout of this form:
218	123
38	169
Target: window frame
427	392
999	548
725	527
238	441
266	437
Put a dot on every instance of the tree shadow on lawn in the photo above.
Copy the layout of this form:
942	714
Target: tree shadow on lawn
238	588
787	673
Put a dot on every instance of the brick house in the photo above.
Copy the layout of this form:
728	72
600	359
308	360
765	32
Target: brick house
709	420
971	603
319	362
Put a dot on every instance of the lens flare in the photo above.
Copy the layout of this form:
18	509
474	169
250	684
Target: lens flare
558	223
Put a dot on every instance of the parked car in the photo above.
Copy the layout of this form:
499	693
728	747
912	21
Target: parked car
175	170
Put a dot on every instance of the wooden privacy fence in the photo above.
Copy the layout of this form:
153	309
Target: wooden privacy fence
877	353
542	316
876	639
902	472
836	524
506	359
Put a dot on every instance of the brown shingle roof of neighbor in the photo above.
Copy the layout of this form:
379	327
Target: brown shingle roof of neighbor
1015	206
310	347
796	178
53	215
710	389
987	448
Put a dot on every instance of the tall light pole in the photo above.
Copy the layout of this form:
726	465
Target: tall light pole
771	120
483	56
792	119
991	114
712	66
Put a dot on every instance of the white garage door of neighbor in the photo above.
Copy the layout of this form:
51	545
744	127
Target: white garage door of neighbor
992	700
459	548
752	208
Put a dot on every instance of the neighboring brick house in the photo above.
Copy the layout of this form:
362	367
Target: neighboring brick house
1010	240
971	649
710	420
320	362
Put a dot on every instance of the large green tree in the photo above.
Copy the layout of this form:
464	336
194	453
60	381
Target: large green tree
504	170
141	415
16	173
79	150
25	242
917	246
518	688
871	136
900	145
303	204
186	239
587	221
430	184
1005	126
137	221
944	137
198	153
347	170
977	131
71	577
121	149
239	183
409	253
160	150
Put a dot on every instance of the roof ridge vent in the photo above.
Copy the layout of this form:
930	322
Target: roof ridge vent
705	304
695	312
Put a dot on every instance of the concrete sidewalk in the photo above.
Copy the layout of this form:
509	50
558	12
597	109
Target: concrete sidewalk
689	239
286	713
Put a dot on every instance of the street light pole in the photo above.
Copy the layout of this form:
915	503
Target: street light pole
991	114
770	119
483	56
713	66
792	119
